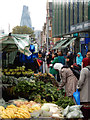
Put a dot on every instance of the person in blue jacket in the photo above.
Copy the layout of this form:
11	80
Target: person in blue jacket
79	59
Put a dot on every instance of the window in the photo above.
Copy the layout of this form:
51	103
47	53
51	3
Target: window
80	10
86	10
75	12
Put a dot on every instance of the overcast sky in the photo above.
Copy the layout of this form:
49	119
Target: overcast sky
11	11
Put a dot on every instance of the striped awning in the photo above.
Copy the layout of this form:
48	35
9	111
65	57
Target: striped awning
15	42
60	44
68	43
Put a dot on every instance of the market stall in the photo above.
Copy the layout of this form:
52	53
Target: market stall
30	95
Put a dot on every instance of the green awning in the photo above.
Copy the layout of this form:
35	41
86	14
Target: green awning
15	42
60	44
63	47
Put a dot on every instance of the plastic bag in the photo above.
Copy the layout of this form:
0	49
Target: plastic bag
73	114
66	110
76	96
75	107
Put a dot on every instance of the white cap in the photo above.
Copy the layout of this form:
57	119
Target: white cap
58	66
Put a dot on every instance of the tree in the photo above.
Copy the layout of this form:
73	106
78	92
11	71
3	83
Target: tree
23	30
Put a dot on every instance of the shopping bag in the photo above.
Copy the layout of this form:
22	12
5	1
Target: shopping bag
76	96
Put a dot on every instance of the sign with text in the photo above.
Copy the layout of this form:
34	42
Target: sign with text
80	27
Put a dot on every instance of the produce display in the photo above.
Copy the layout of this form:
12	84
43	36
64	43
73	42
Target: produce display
41	88
31	109
41	97
18	71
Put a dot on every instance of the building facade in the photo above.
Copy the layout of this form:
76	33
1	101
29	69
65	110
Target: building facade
71	18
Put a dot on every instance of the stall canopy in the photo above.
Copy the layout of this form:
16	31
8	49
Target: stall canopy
10	43
70	41
59	45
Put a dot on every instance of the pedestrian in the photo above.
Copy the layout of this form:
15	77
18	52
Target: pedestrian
69	61
43	57
71	58
49	58
86	61
61	58
40	61
84	87
69	80
79	59
52	70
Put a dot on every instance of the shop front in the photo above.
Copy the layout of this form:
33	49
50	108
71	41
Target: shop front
82	30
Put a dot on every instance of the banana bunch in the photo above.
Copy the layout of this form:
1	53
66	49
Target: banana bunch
15	112
21	113
9	112
1	110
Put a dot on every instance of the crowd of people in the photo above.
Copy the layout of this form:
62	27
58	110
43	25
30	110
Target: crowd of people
72	71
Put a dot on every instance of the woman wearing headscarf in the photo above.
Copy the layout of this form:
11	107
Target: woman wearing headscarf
69	80
79	59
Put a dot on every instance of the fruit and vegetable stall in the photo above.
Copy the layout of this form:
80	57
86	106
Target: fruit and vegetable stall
30	95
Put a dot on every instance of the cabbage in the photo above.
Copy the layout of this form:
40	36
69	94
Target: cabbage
45	108
36	113
46	114
50	104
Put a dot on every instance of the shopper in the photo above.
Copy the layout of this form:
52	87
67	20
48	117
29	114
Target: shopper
86	61
79	59
40	61
61	58
84	88
52	70
69	59
68	79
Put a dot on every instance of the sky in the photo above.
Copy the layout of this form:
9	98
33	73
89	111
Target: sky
11	12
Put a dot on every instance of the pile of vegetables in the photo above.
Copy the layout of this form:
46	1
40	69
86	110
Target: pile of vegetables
39	87
18	71
30	109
